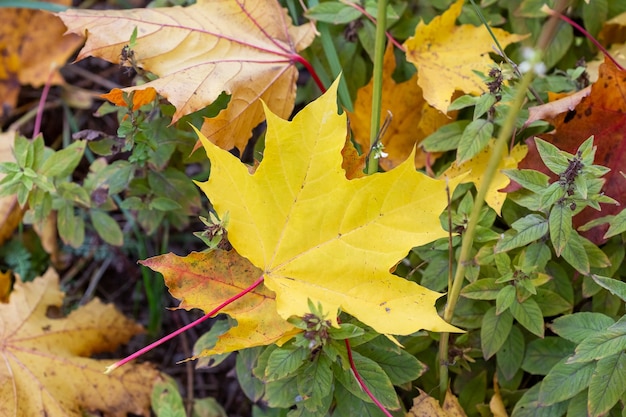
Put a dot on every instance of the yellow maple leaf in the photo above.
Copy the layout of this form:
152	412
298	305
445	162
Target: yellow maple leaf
317	235
413	118
46	369
475	169
244	48
32	49
205	280
446	56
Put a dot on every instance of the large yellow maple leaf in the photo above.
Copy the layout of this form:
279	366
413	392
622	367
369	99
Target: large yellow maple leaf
246	48
46	369
446	55
413	118
317	235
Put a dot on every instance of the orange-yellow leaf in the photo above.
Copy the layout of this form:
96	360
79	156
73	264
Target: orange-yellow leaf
205	280
46	369
475	169
426	406
317	235
246	48
413	118
140	97
32	48
446	56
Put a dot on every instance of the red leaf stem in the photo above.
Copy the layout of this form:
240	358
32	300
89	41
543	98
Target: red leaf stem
42	103
311	70
172	335
362	383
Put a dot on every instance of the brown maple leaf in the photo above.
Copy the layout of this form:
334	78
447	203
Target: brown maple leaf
602	114
245	48
46	369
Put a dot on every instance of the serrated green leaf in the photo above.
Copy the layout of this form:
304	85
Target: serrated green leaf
608	384
528	178
617	225
252	386
400	366
529	228
482	289
73	192
345	331
551	156
528	314
71	228
375	378
574	253
579	326
62	163
333	12
166	400
208	341
494	331
529	406
315	382
164	204
564	381
349	405
483	104
474	139
600	345
108	229
284	361
560	221
535	257
505	298
551	195
543	354
282	393
614	286
510	356
552	303
446	138
463	102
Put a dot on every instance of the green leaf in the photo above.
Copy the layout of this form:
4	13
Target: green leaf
208	341
529	228
505	298
71	191
282	393
166	400
529	406
564	381
164	204
552	303
603	344
617	225
579	326
535	257
543	354
333	12
400	366
614	286
284	361
108	229
463	102
551	195
62	163
9	168
71	228
551	156
474	139
528	178
560	222
528	314
608	384
315	382
483	104
510	356
494	331
375	379
482	289
446	138
252	386
576	255
349	405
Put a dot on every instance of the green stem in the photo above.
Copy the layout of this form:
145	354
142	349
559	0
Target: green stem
468	235
377	76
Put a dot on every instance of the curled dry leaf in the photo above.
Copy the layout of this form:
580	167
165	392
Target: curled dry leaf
246	48
46	369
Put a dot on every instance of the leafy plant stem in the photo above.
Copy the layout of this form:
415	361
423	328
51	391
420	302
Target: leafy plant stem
468	235
373	20
561	16
377	90
42	103
183	329
361	382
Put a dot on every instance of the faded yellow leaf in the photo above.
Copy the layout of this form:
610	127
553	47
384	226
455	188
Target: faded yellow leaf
46	369
32	49
246	48
475	169
205	280
447	55
317	235
413	118
426	406
496	405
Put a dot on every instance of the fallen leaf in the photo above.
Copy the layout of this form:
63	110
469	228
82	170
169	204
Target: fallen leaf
205	280
413	118
46	369
139	98
496	405
476	167
446	56
353	163
603	115
246	48
10	211
426	406
32	48
5	285
317	235
554	108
